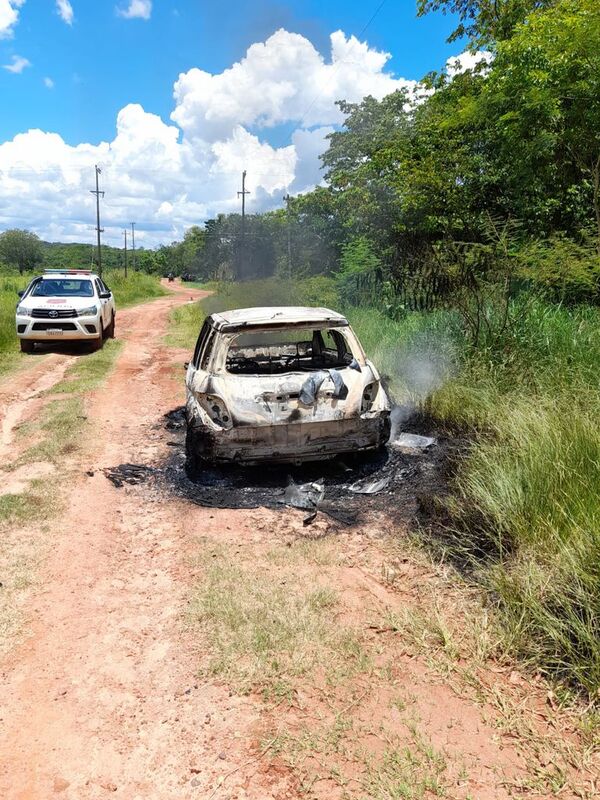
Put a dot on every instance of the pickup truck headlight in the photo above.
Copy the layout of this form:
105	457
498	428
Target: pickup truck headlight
90	311
23	312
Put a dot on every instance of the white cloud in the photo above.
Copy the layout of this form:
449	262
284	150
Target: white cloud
168	176
140	9
9	16
284	79
48	83
467	60
65	11
18	65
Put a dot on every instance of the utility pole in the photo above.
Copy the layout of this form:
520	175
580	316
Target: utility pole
243	194
133	242
99	230
287	200
125	235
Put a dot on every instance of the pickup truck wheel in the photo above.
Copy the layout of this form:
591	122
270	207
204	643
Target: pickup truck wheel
27	346
98	341
109	333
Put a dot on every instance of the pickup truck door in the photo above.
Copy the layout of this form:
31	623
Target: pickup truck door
105	303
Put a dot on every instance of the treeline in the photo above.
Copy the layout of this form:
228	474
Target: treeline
492	176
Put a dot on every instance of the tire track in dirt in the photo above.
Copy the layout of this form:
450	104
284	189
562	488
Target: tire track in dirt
22	395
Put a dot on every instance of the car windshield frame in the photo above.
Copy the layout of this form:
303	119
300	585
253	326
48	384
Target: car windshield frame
56	287
315	354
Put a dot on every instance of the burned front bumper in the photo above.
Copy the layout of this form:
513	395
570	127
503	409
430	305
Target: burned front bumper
295	442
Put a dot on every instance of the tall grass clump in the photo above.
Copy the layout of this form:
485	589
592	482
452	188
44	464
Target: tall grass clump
10	284
529	489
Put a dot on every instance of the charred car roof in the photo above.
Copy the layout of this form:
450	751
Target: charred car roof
241	319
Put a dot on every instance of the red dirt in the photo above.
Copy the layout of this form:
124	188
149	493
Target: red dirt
103	696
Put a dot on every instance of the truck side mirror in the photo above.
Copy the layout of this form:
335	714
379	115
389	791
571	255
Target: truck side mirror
21	293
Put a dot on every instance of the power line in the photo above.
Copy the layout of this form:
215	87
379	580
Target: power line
99	230
339	63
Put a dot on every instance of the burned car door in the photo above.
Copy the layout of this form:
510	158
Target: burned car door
197	374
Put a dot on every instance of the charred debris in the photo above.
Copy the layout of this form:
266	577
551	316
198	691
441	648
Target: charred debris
398	480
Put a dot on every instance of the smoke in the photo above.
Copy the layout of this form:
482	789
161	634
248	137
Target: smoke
413	371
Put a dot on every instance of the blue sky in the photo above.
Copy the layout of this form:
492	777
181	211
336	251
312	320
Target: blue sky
102	61
174	99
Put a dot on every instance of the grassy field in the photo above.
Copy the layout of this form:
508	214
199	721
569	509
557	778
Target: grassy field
136	288
526	509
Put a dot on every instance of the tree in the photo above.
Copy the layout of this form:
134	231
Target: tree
21	249
484	22
543	94
359	280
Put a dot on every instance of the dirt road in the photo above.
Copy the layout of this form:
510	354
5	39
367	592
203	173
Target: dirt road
103	696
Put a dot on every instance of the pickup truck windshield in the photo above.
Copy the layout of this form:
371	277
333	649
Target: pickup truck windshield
63	287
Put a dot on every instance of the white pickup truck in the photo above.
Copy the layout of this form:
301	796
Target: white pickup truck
69	305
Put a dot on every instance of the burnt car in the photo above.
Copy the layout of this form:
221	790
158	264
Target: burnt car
283	384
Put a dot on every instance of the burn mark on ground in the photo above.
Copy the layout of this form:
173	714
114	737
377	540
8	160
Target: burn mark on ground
404	482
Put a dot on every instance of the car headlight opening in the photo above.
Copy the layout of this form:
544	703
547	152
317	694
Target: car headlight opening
90	311
23	312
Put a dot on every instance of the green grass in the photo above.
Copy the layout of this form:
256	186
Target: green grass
526	510
88	373
10	284
185	323
137	287
528	493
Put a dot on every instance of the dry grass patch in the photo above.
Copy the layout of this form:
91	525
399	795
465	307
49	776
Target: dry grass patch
269	624
21	550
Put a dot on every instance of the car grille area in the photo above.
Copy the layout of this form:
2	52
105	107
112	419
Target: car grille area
53	326
53	313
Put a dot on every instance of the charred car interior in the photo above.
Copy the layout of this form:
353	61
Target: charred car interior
280	351
281	384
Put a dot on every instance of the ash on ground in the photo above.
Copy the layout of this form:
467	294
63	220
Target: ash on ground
398	480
